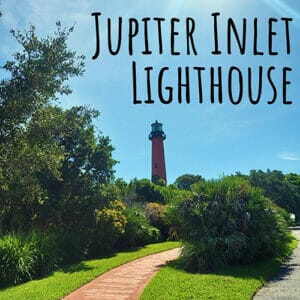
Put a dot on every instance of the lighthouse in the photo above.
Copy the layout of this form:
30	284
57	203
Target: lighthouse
157	137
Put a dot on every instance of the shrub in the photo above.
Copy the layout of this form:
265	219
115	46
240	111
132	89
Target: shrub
227	221
286	216
46	252
155	214
143	190
17	259
72	244
138	231
110	224
26	256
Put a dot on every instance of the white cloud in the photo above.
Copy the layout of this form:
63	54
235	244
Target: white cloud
289	156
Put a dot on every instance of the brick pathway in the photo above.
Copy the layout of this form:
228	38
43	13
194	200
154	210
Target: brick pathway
126	281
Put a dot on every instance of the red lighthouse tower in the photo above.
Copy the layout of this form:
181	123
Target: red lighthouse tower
157	137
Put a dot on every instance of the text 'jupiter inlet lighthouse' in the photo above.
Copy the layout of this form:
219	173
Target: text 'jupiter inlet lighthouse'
157	137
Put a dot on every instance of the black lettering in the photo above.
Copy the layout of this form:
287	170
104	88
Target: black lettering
190	28
272	85
97	52
182	85
168	88
216	50
217	85
232	28
146	51
240	85
285	83
255	51
149	98
109	33
133	31
250	85
287	34
271	34
173	34
160	41
135	99
200	93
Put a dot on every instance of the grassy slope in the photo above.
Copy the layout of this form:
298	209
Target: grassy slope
67	279
233	282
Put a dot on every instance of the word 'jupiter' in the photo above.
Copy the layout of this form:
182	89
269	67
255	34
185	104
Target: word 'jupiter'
235	35
252	83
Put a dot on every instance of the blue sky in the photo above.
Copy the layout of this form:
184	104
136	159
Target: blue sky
206	139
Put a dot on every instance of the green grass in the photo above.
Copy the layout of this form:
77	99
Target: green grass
232	282
67	279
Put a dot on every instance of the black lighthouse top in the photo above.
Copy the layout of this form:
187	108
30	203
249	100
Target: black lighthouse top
156	131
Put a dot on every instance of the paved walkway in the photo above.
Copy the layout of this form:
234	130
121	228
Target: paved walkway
125	282
286	285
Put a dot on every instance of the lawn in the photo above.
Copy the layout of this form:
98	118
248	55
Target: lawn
233	282
67	279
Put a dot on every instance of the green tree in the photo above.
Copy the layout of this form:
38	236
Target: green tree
37	74
185	181
68	191
52	163
293	182
275	186
143	190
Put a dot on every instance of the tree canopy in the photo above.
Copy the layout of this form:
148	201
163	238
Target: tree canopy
185	181
53	160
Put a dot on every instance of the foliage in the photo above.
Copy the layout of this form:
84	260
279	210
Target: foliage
110	224
55	287
172	194
67	192
46	252
185	181
55	167
72	244
158	181
293	182
24	256
17	258
138	232
142	191
122	186
38	73
227	221
286	216
155	213
50	159
284	190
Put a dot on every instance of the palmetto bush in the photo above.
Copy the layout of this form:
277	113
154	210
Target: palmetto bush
227	221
